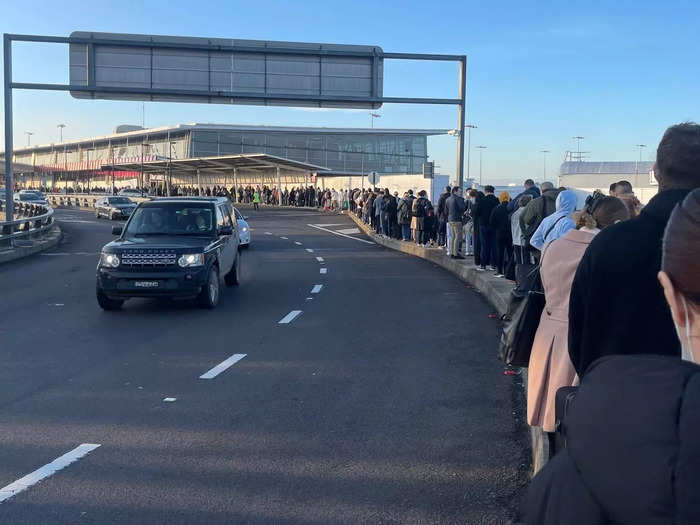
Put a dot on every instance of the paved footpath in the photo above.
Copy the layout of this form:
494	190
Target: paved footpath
342	382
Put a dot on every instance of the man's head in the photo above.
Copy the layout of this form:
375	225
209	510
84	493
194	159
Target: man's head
447	189
488	189
473	193
529	183
623	188
680	273
546	186
522	201
410	192
611	191
456	190
678	158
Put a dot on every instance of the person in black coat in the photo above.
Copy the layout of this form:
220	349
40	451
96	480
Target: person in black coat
632	431
482	215
616	305
442	216
503	239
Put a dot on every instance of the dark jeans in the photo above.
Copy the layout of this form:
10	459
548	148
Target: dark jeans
504	253
406	231
488	246
477	244
442	233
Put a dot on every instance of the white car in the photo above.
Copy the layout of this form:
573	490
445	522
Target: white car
131	192
243	229
30	198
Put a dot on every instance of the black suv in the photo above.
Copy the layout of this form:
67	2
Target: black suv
175	247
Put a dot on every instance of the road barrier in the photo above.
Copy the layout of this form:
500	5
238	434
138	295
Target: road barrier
30	221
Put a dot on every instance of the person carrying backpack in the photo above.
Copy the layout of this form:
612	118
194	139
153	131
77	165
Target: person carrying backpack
418	221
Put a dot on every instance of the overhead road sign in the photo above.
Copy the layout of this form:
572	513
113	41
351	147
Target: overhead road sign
428	170
225	71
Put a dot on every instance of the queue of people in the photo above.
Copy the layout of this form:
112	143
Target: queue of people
622	322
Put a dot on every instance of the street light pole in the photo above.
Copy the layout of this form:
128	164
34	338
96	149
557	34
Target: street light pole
544	164
469	147
29	137
578	140
636	169
481	159
60	131
88	167
373	116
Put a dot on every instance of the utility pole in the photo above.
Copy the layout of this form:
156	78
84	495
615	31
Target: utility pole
544	164
481	159
636	170
469	148
60	131
578	140
88	167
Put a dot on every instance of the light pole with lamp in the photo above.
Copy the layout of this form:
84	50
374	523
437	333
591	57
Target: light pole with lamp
170	169
373	116
544	164
88	167
578	140
481	159
60	132
29	137
640	146
141	181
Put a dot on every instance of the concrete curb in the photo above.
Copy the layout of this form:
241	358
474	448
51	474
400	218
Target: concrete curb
49	240
495	290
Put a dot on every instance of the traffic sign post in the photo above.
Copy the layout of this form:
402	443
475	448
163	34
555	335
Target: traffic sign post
373	178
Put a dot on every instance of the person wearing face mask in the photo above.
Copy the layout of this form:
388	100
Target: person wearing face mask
633	430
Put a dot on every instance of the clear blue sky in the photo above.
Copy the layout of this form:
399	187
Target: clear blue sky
538	73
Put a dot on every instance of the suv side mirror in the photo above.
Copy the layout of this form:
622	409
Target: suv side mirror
226	230
117	230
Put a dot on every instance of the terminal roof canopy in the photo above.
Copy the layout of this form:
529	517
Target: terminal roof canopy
247	162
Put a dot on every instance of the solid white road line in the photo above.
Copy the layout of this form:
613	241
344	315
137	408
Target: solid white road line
323	270
46	471
309	250
317	288
335	224
297	243
349	231
289	317
222	366
340	234
319	259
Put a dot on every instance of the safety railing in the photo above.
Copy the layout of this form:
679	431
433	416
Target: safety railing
78	200
30	220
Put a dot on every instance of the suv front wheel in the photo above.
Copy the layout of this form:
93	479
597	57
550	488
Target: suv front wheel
106	303
209	296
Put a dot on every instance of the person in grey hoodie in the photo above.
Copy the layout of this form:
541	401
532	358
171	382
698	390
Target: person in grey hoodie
455	207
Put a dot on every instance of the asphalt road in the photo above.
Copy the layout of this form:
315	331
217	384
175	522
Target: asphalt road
382	402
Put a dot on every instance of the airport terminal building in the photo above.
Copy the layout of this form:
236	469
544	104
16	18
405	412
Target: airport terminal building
342	152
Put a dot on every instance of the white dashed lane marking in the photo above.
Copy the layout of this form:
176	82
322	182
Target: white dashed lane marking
319	259
309	250
211	374
323	270
289	317
317	288
297	243
47	470
285	238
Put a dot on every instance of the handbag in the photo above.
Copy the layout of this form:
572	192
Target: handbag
527	304
519	333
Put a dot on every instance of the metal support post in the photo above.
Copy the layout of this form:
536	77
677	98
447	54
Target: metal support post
235	186
199	183
279	187
9	152
460	120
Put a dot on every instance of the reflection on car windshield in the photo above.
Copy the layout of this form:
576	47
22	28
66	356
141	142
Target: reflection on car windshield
29	197
120	200
171	219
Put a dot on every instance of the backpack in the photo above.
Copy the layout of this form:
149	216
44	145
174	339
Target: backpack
429	211
420	207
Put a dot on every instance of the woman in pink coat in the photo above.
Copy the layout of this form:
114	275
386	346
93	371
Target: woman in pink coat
550	366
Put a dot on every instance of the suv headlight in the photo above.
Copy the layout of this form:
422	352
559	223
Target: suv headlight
110	260
244	229
188	260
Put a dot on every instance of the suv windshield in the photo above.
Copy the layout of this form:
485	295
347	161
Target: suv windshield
172	218
29	197
120	200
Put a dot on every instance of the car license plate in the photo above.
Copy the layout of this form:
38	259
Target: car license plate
146	284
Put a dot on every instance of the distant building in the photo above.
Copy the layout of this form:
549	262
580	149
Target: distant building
589	176
344	151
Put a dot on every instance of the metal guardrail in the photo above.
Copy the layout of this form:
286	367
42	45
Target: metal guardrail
31	220
81	200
